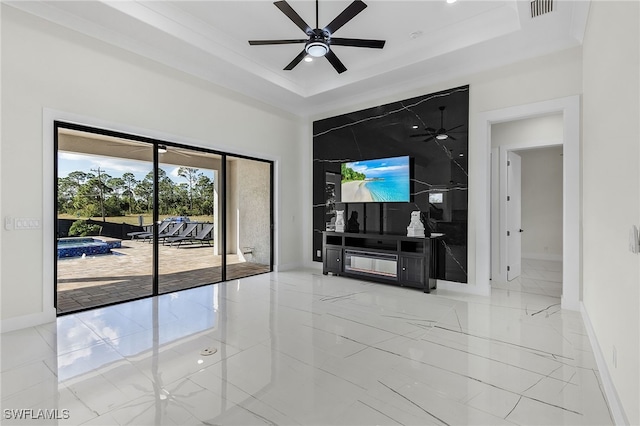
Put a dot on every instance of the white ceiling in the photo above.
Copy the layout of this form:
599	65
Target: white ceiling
427	42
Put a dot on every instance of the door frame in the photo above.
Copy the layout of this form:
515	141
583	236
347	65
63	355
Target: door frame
487	239
50	117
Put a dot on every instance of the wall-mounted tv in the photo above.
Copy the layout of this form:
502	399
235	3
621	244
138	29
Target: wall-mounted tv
385	180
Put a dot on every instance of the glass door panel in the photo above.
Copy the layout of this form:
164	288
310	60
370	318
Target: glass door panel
248	217
188	203
104	220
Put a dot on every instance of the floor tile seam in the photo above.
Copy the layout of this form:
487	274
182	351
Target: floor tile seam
250	396
375	409
500	290
11	394
25	361
286	354
414	403
496	386
506	363
461	375
491	339
526	292
368	325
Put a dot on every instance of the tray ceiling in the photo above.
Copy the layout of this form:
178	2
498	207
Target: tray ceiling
426	42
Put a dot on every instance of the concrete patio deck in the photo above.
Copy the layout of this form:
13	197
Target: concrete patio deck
100	280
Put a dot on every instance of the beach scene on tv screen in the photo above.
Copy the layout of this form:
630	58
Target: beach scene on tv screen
383	180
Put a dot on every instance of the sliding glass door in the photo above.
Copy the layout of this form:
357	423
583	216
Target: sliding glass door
188	200
104	220
137	217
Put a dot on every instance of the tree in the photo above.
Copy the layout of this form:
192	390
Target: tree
130	183
204	191
98	183
191	175
144	190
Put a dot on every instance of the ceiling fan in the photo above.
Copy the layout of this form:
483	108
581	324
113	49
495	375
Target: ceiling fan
319	41
441	133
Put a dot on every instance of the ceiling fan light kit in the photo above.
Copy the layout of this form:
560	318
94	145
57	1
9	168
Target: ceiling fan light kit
319	41
317	49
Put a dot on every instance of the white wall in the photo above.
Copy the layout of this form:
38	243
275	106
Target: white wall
542	203
611	190
528	131
47	66
549	77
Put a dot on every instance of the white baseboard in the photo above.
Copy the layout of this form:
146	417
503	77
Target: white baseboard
615	405
25	321
542	256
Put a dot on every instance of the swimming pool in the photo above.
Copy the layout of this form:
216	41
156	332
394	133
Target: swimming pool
78	246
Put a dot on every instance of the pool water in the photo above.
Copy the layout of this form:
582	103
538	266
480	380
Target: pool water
77	247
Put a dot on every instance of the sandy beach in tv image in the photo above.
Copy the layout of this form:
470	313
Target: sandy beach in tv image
383	180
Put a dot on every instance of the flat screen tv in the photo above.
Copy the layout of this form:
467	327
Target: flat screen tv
385	180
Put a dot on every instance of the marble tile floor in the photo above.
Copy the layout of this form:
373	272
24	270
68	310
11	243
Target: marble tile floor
301	348
542	277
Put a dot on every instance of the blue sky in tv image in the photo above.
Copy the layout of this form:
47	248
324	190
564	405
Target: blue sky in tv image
387	180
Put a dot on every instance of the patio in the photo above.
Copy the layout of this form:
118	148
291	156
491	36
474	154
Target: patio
100	280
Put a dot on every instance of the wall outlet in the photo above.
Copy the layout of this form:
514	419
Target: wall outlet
8	223
615	357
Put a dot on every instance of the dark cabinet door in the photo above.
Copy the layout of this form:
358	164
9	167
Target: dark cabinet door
333	260
412	271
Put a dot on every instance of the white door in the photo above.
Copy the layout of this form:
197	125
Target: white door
514	216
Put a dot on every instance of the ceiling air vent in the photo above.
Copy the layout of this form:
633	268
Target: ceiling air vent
540	7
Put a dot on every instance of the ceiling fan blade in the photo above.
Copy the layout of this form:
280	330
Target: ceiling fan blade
348	14
451	137
453	128
337	64
296	60
266	42
293	15
357	42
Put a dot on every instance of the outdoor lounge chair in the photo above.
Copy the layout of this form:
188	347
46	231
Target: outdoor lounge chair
142	234
202	236
170	232
184	234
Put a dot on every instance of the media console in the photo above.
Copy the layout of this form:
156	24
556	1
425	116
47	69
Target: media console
395	259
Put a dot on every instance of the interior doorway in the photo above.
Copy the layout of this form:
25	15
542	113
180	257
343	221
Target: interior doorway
527	204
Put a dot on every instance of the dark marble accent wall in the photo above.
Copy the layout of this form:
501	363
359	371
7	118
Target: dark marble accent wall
440	172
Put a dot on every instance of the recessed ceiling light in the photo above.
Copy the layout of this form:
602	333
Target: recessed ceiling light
451	1
415	126
308	59
461	154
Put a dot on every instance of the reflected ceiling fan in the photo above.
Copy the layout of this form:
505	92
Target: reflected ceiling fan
319	41
441	133
162	149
